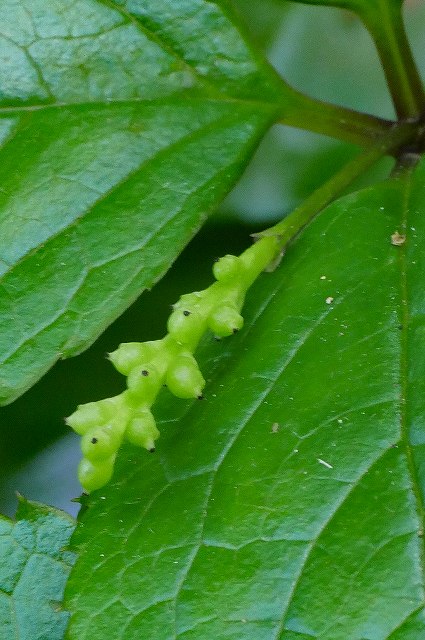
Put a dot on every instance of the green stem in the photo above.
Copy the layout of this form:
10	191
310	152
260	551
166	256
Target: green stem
384	21
335	121
288	228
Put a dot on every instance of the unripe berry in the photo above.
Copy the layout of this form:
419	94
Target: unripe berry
142	430
185	326
100	443
184	378
144	382
129	355
225	320
93	475
227	268
86	417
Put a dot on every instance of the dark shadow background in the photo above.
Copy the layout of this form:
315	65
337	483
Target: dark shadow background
322	51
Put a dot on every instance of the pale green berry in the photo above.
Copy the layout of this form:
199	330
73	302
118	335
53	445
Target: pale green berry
86	417
184	378
142	430
185	326
129	355
93	475
144	383
101	442
227	268
225	320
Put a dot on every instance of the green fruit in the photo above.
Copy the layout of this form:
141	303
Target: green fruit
127	356
225	320
227	268
142	430
100	443
185	326
93	475
86	417
184	378
144	383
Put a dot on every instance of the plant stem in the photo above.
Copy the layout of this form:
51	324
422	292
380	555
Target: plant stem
288	228
384	21
335	121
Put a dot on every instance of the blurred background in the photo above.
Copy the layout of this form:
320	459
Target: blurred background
321	51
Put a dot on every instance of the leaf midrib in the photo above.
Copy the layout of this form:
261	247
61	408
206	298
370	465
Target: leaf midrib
183	96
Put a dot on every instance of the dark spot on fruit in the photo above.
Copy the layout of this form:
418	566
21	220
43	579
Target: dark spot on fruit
152	450
235	330
93	440
201	397
145	372
186	312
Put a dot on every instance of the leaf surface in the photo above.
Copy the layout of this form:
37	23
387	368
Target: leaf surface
356	5
122	124
34	566
289	504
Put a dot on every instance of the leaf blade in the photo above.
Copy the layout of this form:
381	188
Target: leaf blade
85	130
34	567
293	483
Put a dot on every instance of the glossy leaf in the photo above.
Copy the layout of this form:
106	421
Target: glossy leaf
359	6
34	566
289	504
122	124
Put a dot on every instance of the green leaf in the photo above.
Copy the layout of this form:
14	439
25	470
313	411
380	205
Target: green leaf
355	5
289	504
122	124
34	566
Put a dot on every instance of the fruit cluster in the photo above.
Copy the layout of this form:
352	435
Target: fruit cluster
148	366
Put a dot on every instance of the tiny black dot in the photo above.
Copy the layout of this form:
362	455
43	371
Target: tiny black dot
201	397
145	372
235	330
186	313
94	440
400	326
152	450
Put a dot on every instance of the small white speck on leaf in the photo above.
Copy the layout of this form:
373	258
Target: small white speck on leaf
323	277
275	427
325	464
397	239
339	420
329	300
